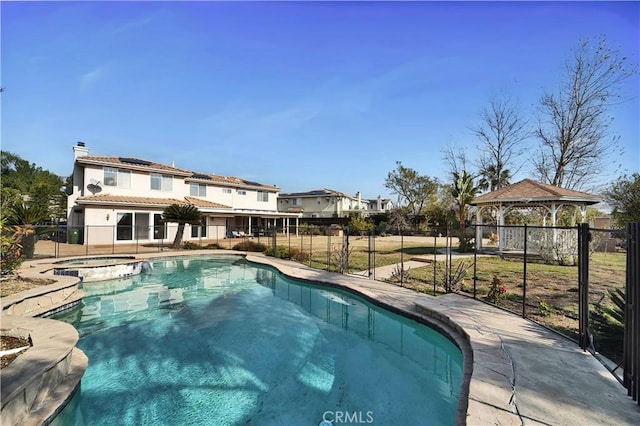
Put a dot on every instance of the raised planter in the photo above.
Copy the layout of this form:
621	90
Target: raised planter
37	384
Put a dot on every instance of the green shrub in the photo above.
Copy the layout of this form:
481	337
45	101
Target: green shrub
213	246
188	245
607	324
10	250
249	245
281	252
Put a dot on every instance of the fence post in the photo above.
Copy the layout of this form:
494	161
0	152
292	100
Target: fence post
475	259
401	258
631	345
583	285
435	251
369	254
346	251
328	232
310	244
373	236
524	275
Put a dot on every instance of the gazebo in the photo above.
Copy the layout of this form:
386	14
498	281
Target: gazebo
528	194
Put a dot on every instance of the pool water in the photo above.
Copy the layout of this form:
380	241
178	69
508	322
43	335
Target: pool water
220	341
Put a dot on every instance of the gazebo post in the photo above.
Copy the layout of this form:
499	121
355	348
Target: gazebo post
554	213
500	225
479	228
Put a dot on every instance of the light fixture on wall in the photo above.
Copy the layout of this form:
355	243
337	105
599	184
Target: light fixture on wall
107	217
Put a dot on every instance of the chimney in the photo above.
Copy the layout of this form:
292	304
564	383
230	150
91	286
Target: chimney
80	150
379	203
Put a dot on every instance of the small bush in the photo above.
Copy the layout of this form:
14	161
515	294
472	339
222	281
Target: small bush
544	308
188	245
282	252
453	281
249	245
213	246
497	290
400	275
11	252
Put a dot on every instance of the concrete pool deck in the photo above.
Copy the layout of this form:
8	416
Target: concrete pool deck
516	371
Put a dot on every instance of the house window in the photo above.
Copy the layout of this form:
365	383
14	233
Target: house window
159	227
124	227
199	231
263	196
242	192
226	190
116	177
297	201
198	190
161	182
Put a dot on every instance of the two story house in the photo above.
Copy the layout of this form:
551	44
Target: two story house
327	203
121	200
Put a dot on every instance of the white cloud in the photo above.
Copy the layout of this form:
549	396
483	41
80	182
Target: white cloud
89	79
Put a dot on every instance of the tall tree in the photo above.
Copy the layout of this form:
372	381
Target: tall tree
501	133
624	198
411	188
573	125
492	180
181	214
41	186
463	191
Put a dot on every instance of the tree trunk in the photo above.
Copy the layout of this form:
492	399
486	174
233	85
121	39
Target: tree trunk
29	244
178	240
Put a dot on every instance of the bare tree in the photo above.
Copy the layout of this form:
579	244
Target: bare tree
574	125
457	159
501	133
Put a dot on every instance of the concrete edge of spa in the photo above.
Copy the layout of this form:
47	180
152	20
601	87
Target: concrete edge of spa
514	370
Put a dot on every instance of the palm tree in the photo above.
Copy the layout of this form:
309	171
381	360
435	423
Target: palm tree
24	217
493	180
181	214
463	192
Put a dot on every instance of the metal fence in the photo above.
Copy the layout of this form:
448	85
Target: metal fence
574	280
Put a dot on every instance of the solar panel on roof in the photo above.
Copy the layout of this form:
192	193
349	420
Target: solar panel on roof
200	176
135	161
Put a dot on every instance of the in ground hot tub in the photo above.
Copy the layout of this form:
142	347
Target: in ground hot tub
91	269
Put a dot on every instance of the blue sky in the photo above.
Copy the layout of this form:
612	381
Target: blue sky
300	95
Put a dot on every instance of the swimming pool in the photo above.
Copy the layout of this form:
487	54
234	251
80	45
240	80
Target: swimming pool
222	341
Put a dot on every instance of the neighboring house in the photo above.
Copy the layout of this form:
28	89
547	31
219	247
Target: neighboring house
327	203
379	205
121	199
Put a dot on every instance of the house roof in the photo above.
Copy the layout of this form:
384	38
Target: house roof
530	191
324	192
106	199
131	163
228	181
151	166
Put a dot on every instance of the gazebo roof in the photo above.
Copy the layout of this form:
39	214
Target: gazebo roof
528	191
